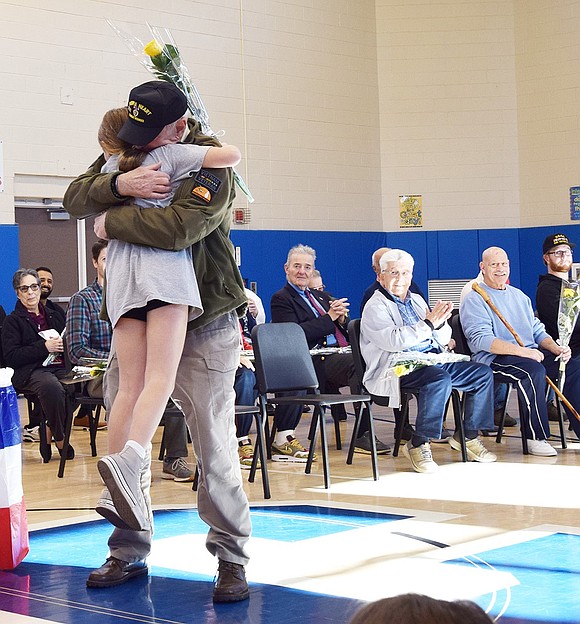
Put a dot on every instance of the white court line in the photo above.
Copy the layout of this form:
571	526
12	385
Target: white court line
537	485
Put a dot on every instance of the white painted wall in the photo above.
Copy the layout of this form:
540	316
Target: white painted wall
292	83
339	106
449	111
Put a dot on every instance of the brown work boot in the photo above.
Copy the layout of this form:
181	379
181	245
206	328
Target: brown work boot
230	584
115	572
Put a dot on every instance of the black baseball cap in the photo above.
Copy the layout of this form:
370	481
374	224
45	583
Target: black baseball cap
554	240
151	107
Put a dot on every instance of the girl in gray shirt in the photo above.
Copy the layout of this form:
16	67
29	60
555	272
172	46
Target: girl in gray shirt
150	293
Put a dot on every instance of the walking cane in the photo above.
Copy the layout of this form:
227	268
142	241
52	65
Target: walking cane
480	291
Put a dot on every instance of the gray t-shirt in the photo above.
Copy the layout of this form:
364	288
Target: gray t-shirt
137	274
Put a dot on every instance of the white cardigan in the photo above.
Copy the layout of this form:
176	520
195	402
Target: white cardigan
383	337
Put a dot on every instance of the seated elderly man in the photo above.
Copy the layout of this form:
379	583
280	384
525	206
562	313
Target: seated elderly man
324	320
492	343
395	320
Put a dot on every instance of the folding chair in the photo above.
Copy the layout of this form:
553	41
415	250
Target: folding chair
32	403
74	397
402	413
461	346
259	449
284	364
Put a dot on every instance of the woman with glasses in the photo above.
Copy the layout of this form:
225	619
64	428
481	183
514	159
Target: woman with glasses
26	351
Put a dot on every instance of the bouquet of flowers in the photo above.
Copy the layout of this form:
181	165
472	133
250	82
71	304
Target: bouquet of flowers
408	361
567	317
161	57
405	367
85	369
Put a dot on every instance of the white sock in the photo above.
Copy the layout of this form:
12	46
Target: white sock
282	436
136	447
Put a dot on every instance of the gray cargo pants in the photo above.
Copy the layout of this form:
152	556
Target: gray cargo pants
204	388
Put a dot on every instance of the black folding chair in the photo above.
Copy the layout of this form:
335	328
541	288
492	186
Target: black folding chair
260	454
401	413
33	404
74	397
461	346
284	364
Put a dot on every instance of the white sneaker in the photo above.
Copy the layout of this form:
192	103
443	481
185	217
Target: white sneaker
31	434
121	474
290	451
541	448
420	457
106	508
475	450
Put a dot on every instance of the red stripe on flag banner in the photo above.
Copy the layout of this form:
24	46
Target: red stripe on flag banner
13	535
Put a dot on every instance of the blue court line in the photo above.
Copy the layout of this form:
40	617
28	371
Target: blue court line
548	572
50	583
59	593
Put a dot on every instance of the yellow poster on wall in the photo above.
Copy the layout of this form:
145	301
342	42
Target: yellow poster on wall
410	211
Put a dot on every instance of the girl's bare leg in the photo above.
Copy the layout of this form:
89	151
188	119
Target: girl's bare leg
165	336
131	349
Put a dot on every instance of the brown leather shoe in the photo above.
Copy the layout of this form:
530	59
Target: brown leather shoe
82	422
230	584
553	414
115	572
509	420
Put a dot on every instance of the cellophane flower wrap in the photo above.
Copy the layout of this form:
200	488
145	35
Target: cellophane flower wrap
406	362
568	312
161	57
89	367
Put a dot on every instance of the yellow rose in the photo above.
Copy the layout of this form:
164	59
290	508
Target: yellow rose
569	292
153	48
399	370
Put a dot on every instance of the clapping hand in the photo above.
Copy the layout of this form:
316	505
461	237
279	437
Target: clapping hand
339	310
440	313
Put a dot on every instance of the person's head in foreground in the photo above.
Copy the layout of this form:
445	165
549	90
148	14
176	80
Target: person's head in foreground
419	609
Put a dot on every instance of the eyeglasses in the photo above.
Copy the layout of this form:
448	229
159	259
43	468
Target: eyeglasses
25	289
395	273
561	254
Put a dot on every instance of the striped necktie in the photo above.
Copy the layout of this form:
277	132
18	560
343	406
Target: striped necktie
340	339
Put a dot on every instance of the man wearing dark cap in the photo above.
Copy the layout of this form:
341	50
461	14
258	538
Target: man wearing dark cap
199	217
557	255
152	106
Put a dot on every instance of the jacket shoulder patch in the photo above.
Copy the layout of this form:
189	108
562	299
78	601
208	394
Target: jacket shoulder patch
208	179
202	192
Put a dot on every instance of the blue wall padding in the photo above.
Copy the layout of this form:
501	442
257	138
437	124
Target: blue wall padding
9	264
344	258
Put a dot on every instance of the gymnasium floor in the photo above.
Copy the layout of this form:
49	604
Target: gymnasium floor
506	535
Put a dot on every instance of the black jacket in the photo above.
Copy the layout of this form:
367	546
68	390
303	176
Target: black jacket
547	306
51	306
287	306
24	350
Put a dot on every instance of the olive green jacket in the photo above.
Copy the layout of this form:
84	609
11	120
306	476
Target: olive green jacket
200	217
